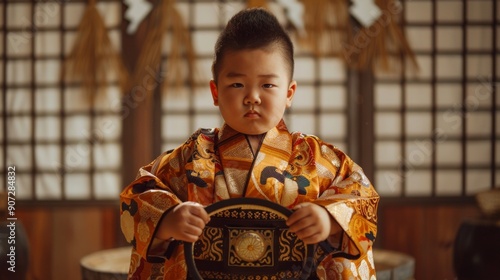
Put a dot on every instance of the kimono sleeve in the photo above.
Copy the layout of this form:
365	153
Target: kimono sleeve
352	201
145	201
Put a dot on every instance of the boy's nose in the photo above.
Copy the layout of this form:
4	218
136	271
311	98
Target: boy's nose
252	97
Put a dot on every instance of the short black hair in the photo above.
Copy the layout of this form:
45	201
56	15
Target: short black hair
250	29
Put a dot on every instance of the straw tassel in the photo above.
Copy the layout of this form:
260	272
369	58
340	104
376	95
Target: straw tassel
330	32
326	23
181	45
165	17
374	45
93	55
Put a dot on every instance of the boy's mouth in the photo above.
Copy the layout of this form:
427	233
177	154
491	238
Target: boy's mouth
252	114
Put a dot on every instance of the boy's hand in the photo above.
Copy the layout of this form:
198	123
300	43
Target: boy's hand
185	222
312	223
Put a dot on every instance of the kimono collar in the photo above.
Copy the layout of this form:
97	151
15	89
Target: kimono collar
238	161
278	138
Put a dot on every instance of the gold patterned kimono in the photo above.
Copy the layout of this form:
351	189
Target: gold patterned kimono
288	169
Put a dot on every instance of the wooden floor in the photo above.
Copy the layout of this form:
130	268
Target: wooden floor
60	236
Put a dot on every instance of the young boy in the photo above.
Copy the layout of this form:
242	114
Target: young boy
252	86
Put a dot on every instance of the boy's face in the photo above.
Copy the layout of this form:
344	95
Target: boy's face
253	89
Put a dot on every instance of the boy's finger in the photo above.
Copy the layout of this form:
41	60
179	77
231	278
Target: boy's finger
189	237
301	205
303	224
297	215
196	221
201	213
193	230
312	239
306	232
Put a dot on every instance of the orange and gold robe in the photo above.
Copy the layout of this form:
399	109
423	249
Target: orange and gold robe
288	169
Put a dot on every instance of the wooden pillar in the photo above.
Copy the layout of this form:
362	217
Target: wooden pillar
136	106
361	122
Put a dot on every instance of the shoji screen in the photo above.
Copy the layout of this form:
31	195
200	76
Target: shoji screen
63	148
437	130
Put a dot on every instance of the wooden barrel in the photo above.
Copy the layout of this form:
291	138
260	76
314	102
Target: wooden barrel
391	265
113	264
109	264
476	252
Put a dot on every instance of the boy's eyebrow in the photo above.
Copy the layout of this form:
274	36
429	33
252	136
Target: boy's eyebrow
236	74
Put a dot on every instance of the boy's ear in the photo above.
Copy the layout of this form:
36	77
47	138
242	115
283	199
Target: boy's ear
290	93
215	93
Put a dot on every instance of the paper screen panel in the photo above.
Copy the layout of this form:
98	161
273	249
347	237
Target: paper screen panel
444	122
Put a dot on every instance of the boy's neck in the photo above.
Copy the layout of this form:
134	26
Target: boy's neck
255	141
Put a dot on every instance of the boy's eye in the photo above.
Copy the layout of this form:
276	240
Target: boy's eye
268	86
236	85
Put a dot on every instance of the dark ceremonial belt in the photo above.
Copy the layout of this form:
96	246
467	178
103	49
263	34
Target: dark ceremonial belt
247	238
